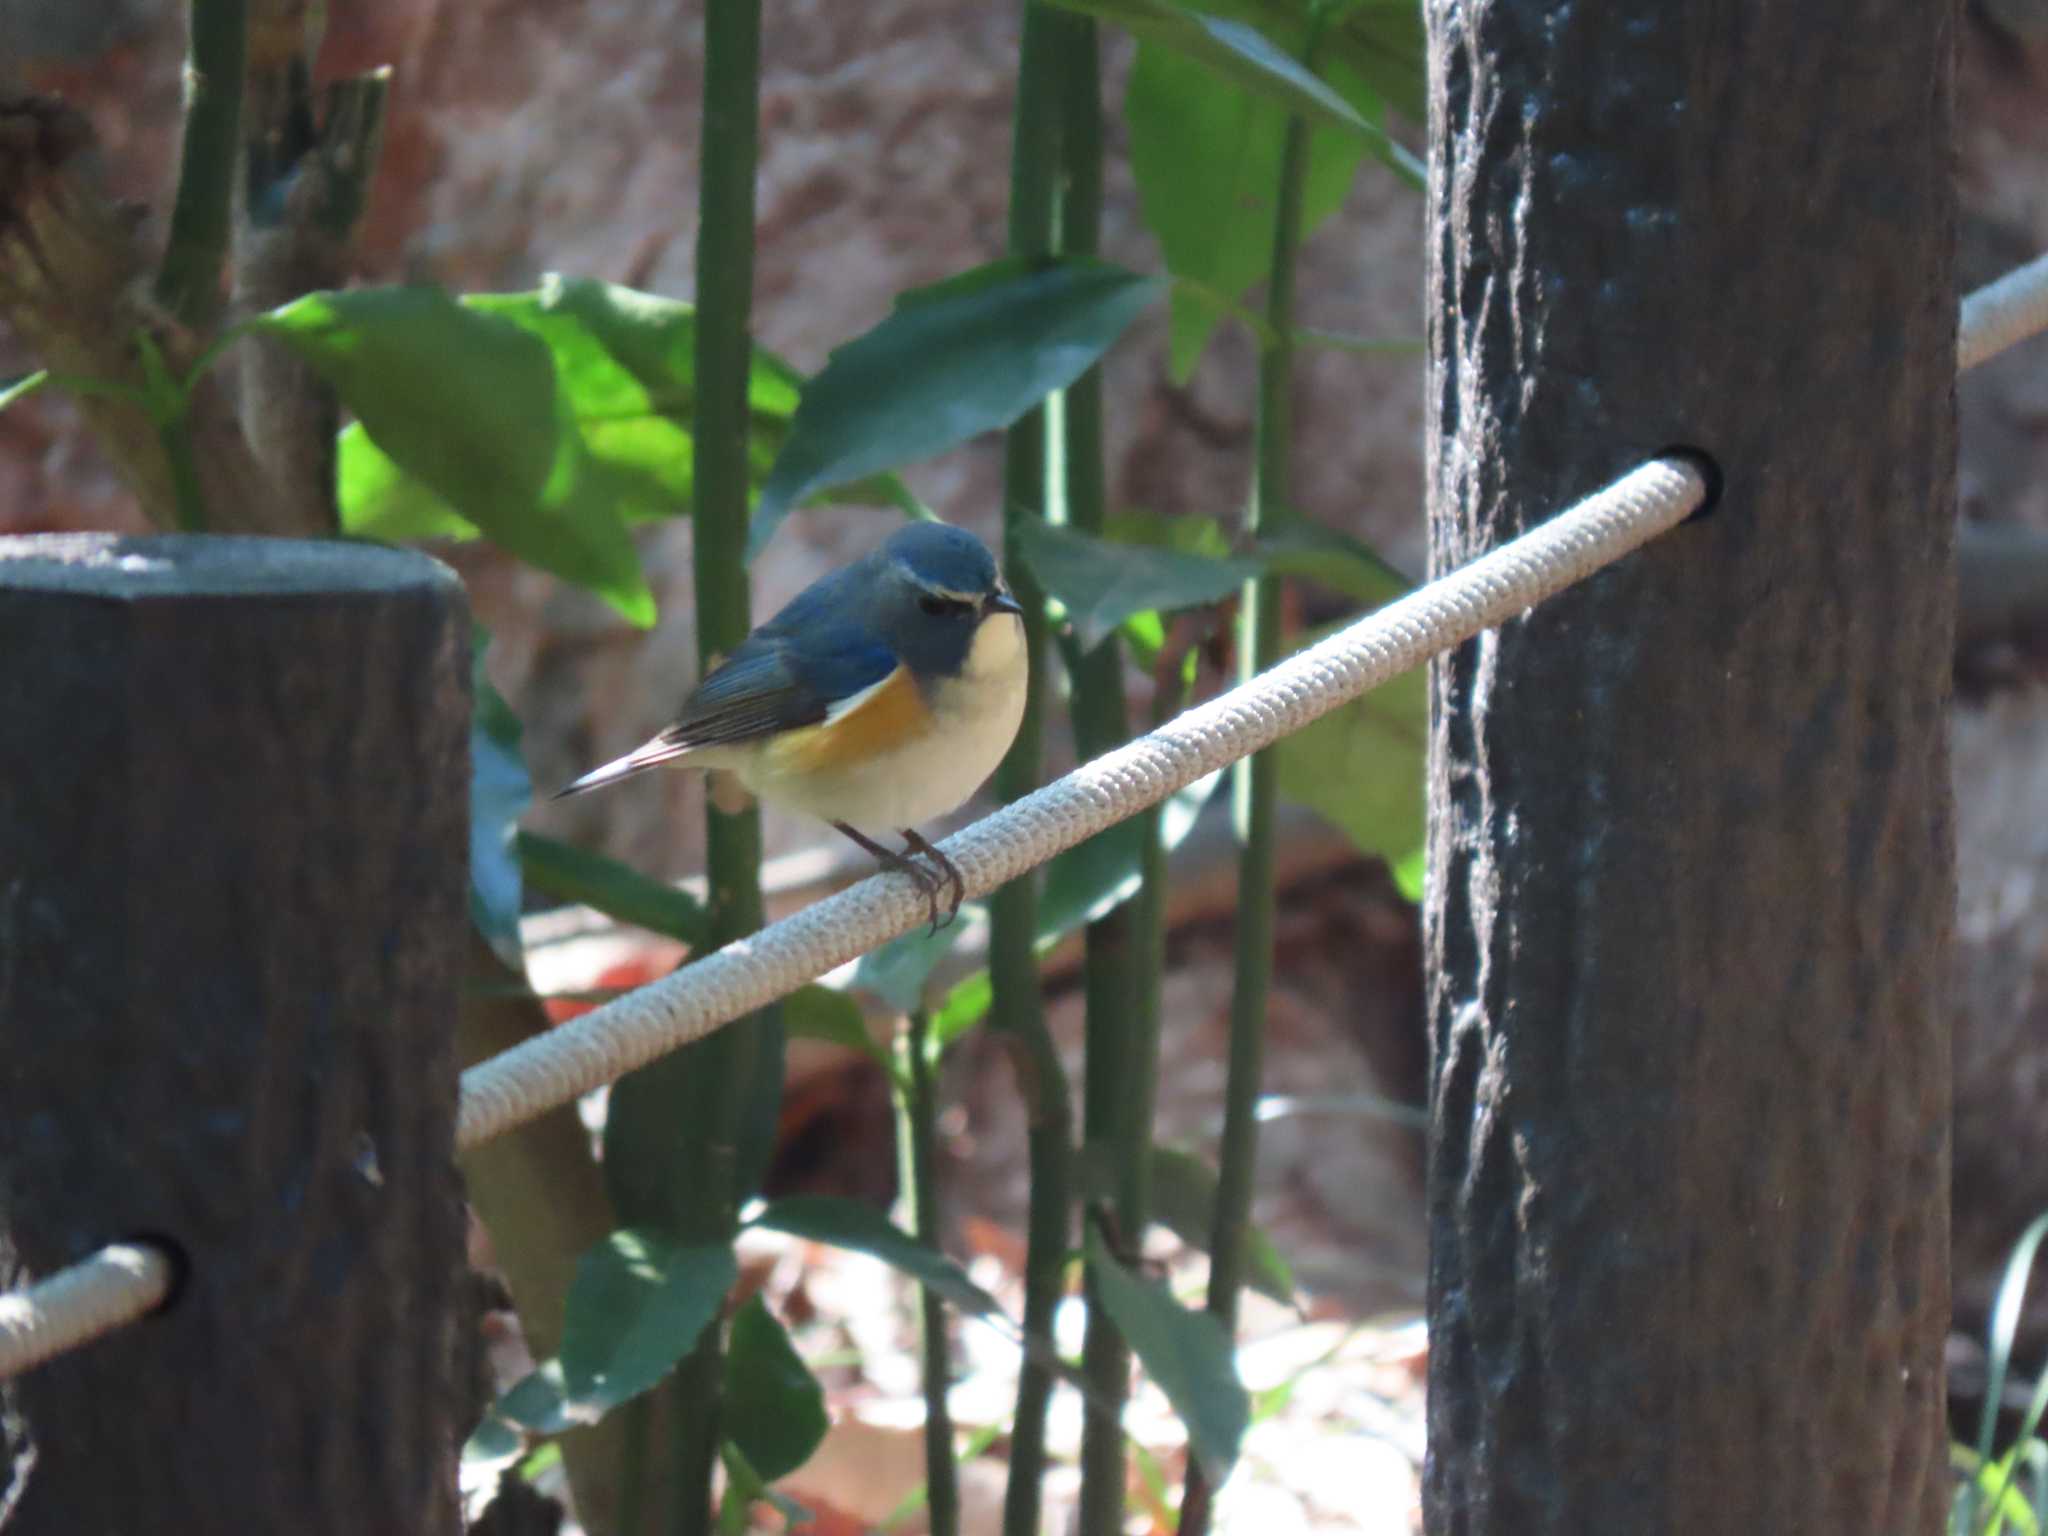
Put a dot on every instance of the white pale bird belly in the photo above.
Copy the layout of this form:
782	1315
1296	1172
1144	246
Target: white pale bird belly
974	719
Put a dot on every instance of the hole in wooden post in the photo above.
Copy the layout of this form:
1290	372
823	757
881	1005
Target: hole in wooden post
173	1255
1710	472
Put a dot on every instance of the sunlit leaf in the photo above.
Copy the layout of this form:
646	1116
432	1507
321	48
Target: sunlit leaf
625	370
466	403
965	1006
638	1304
1206	154
943	369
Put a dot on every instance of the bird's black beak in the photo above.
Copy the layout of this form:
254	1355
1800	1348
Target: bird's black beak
1000	601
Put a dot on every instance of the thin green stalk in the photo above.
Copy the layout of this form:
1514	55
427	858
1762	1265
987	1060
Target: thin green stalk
686	1137
188	282
724	358
918	1144
631	1499
188	496
1253	787
1110	975
1017	1013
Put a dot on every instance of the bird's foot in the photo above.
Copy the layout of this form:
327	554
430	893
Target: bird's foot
946	871
912	862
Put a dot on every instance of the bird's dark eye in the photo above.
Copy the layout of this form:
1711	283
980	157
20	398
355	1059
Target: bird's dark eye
942	607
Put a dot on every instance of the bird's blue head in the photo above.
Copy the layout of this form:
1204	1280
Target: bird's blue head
934	587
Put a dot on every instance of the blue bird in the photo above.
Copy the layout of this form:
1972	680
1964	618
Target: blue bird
882	695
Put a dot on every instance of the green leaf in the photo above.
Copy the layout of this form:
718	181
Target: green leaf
745	1487
379	500
2006	1507
620	892
1236	52
1362	768
1097	876
1187	1353
465	402
638	1304
545	1459
897	972
1080	885
1206	155
499	792
1385	44
1183	1189
1314	552
965	1006
819	1013
494	1439
940	370
1101	582
625	364
1178	531
1380	42
861	1228
538	1402
774	1409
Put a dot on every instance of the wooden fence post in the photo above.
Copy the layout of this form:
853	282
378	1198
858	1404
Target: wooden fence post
233	874
1691	882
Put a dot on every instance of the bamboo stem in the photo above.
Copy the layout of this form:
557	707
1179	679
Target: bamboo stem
686	1136
918	1140
1018	1012
1253	785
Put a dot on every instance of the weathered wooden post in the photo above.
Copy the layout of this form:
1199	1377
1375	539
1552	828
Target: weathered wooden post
1691	884
233	856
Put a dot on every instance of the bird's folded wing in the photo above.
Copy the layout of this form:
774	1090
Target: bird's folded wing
773	683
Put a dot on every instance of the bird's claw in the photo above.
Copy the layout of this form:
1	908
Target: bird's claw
940	872
923	863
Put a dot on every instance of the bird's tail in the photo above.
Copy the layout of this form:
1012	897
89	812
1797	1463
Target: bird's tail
650	754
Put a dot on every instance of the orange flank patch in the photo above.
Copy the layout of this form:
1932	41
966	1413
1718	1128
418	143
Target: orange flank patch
893	714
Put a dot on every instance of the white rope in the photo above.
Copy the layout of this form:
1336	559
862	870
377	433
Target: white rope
114	1287
553	1068
2002	313
124	1282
